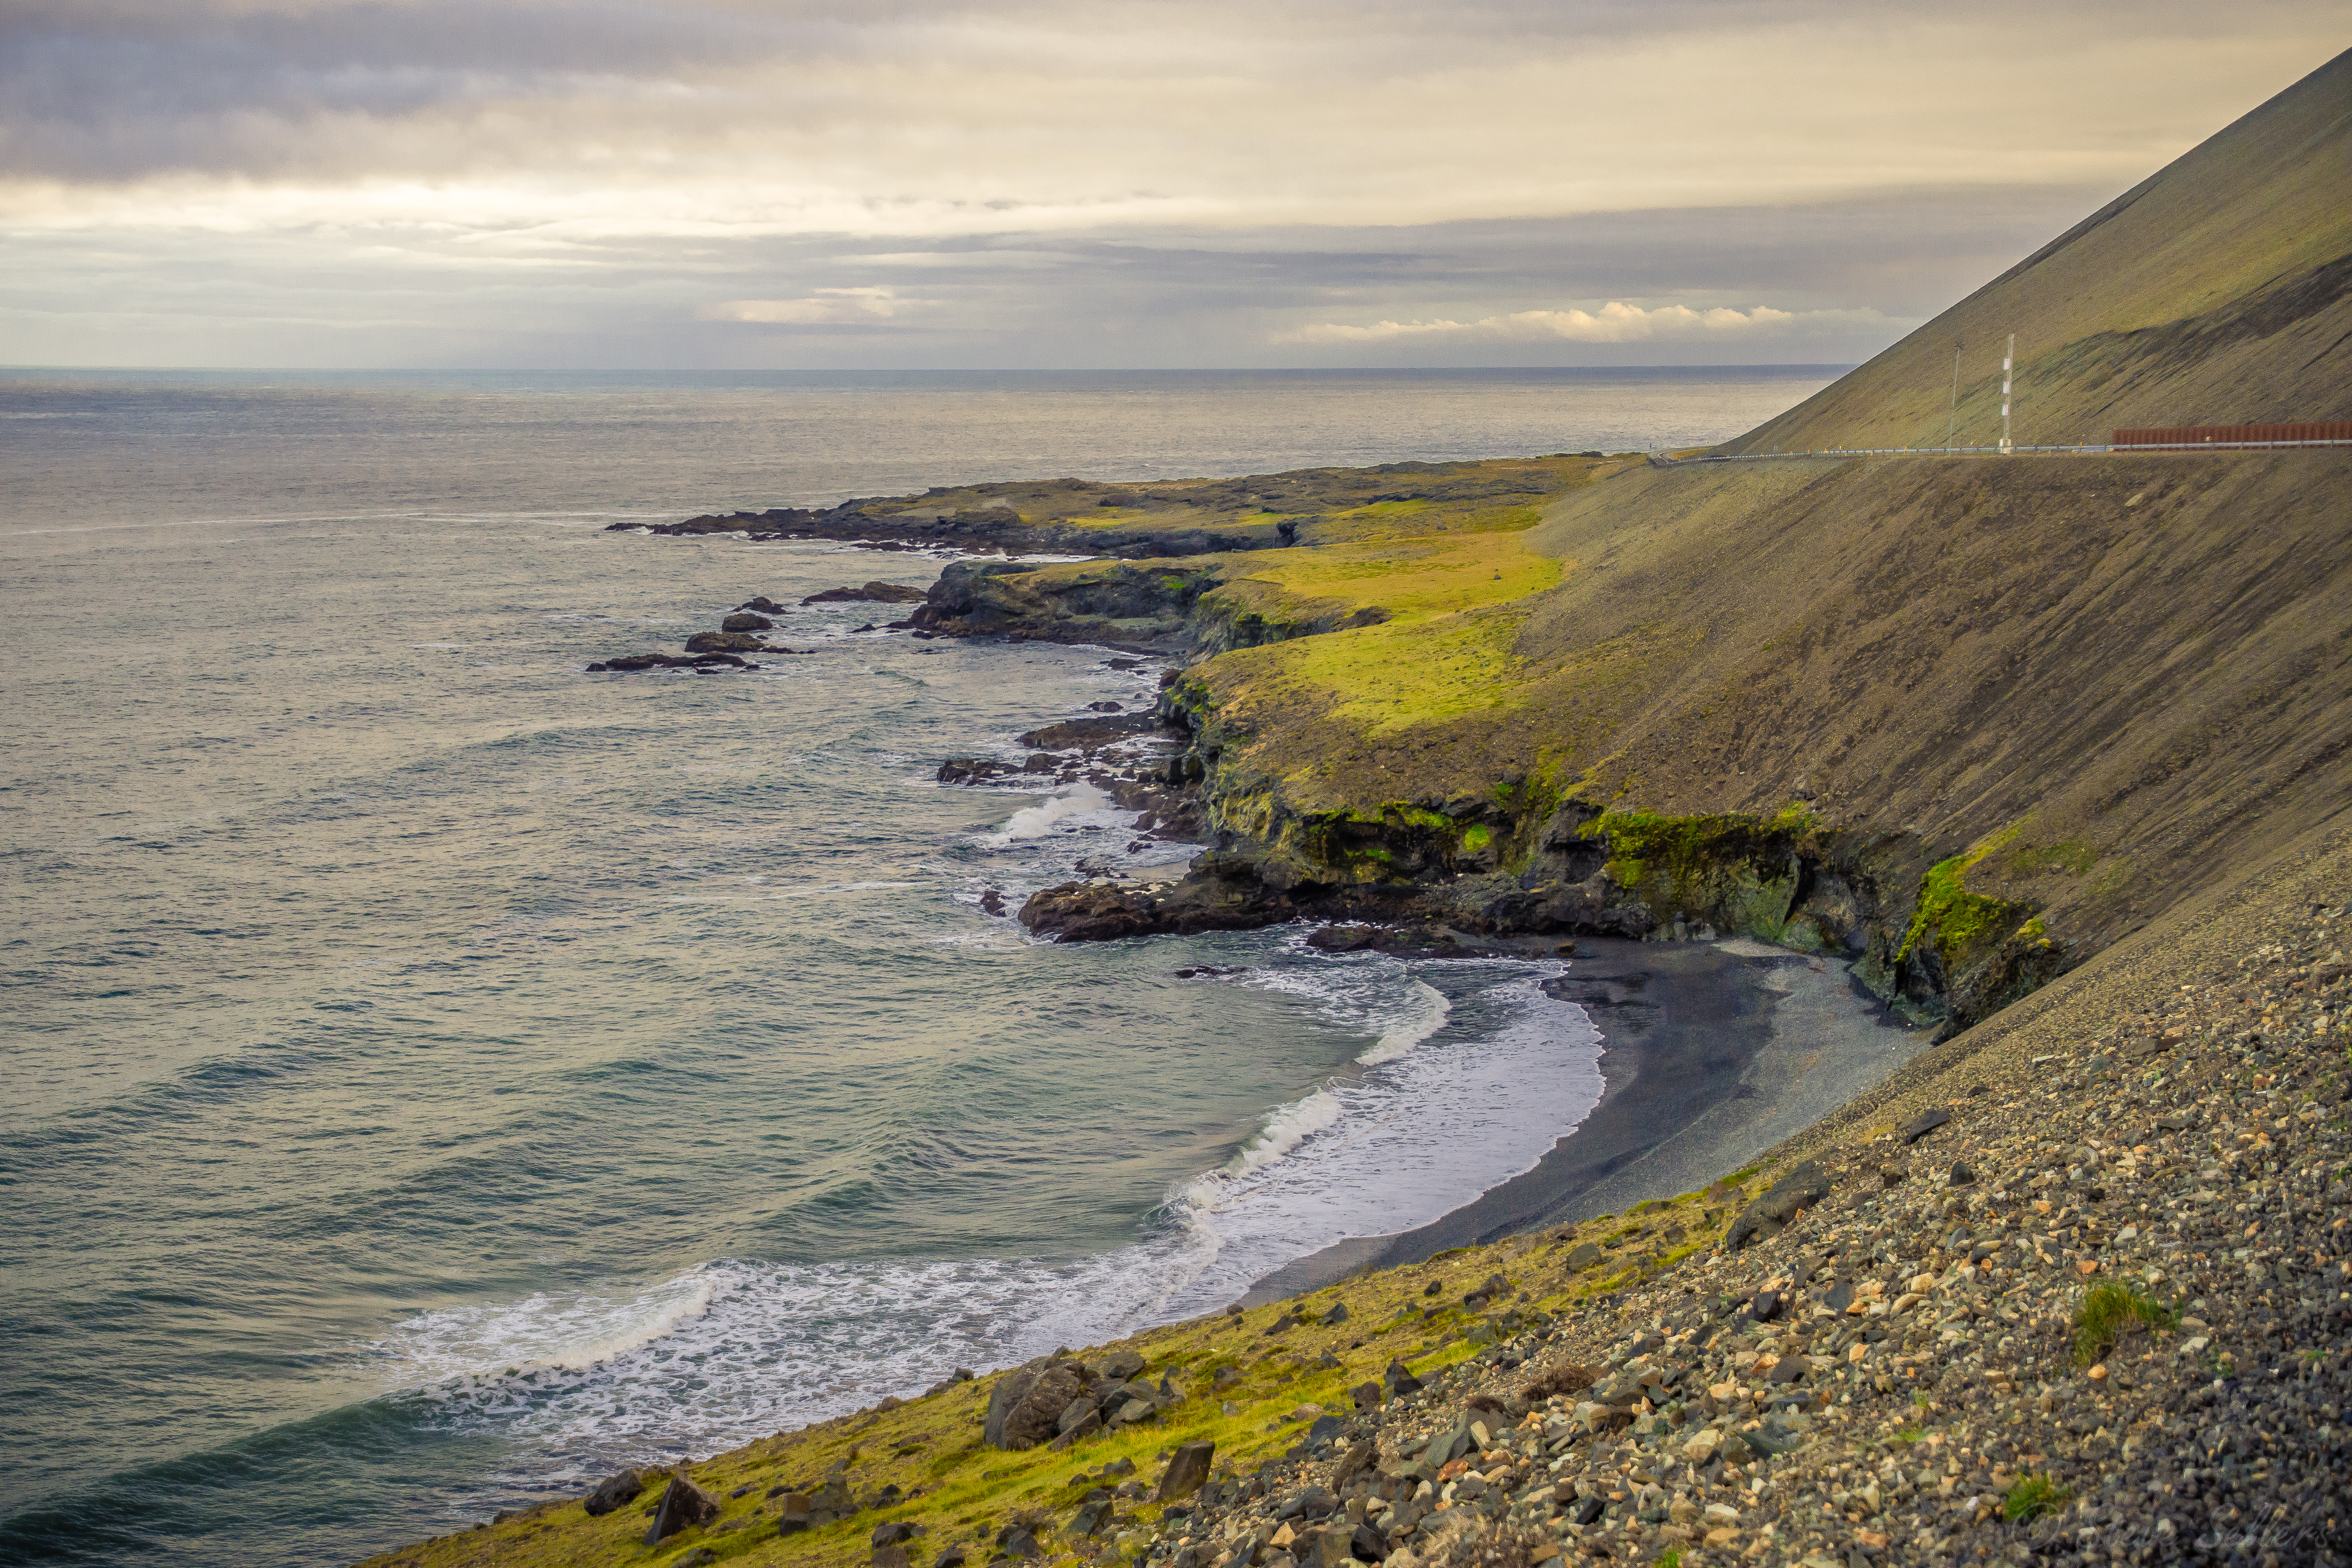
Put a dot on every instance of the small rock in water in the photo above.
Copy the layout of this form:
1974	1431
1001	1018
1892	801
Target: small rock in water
1105	707
992	901
746	623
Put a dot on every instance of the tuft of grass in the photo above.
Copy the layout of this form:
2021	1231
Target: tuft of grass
2107	1311
2031	1496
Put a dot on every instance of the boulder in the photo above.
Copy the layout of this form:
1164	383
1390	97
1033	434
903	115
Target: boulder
1003	1397
1927	1122
744	622
761	604
1118	1366
1185	1472
683	1505
612	1493
891	1533
1031	1420
1582	1255
1400	1379
1769	1215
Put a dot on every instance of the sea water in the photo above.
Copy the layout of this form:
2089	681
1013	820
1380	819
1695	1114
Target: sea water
438	1076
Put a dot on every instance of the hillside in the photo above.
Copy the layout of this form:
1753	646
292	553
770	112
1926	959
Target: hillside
1969	718
2218	291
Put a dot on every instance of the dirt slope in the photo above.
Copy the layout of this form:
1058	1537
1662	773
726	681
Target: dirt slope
2138	669
2218	291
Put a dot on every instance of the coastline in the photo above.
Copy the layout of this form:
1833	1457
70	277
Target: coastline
1713	1053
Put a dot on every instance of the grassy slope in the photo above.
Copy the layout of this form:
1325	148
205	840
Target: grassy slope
2217	291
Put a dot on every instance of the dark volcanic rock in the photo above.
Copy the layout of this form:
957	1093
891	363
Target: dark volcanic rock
1186	1471
742	621
682	1504
1927	1122
1031	1418
972	769
872	593
762	604
1769	1215
724	642
1090	734
630	662
612	1493
1215	897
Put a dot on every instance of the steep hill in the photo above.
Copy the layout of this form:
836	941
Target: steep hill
2218	291
1970	718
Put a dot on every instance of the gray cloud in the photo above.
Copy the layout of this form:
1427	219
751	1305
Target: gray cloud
1115	182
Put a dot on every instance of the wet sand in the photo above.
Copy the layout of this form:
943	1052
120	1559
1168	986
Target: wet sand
1712	1053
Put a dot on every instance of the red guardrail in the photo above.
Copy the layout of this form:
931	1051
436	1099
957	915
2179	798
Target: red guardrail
2236	434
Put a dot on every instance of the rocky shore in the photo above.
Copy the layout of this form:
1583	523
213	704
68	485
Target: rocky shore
2072	1293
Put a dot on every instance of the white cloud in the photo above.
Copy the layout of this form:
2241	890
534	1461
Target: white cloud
1615	322
826	308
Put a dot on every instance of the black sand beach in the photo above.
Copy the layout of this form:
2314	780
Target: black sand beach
1712	1052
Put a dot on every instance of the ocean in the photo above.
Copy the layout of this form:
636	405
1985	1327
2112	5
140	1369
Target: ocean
439	1076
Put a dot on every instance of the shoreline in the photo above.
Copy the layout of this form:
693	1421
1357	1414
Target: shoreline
1712	1054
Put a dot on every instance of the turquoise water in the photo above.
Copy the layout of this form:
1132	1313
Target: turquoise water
439	1075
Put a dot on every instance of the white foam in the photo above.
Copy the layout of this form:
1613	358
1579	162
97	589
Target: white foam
1423	1016
570	1332
1287	1129
1036	821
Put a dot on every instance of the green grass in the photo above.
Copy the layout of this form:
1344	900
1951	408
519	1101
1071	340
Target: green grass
2108	1312
1956	919
2031	1496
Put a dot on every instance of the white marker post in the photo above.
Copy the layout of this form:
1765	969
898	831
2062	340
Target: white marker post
2008	363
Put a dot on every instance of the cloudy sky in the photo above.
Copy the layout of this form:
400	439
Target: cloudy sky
911	182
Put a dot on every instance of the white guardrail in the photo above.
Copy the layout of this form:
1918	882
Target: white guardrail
1663	461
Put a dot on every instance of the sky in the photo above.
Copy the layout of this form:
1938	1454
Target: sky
740	184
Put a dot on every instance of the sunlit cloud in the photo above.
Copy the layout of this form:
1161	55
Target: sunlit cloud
827	307
1615	322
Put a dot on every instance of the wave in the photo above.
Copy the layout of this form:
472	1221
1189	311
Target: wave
1424	1014
1036	821
545	1331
